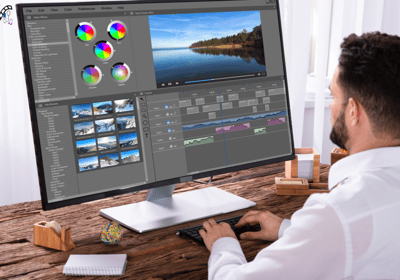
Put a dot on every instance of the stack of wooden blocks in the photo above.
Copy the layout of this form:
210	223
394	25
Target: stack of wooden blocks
292	185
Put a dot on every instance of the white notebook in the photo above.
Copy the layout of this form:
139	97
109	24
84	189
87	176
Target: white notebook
96	265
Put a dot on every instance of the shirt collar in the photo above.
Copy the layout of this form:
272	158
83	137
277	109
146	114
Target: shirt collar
369	159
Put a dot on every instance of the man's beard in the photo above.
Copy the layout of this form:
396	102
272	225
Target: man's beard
339	134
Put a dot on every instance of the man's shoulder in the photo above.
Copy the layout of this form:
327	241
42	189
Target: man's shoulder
363	191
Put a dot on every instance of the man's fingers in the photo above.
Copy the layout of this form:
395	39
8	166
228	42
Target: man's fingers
245	216
250	213
250	235
251	219
242	220
206	226
202	233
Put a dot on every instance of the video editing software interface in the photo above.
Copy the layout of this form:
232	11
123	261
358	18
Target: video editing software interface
129	94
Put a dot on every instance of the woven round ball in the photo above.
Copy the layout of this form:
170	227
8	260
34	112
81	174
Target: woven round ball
111	233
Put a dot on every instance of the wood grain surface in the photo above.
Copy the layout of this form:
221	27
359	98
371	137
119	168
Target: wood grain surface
158	254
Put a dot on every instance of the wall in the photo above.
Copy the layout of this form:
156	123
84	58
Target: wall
308	131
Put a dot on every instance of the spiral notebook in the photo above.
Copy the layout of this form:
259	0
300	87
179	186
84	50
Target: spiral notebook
96	265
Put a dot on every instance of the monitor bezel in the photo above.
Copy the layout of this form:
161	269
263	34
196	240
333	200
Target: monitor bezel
35	129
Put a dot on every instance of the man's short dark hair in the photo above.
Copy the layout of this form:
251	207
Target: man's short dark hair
369	72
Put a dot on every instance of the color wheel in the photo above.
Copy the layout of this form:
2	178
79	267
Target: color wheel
116	30
91	75
85	31
120	72
103	50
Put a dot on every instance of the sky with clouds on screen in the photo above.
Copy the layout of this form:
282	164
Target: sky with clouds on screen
182	30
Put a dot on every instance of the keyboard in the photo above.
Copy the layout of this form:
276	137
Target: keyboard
193	232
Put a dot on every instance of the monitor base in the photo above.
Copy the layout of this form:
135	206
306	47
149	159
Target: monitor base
162	209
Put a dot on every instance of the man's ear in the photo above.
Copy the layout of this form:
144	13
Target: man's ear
355	110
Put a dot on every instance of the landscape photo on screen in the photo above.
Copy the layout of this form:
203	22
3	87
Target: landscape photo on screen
86	146
126	122
109	160
105	125
106	143
124	105
83	128
130	156
103	108
81	110
128	139
195	47
88	163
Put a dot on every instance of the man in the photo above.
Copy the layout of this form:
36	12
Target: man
353	232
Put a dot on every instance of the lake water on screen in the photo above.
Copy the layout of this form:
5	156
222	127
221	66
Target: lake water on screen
199	64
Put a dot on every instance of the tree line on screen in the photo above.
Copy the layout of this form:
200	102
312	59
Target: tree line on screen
246	39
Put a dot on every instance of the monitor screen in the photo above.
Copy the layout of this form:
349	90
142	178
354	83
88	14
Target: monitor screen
128	96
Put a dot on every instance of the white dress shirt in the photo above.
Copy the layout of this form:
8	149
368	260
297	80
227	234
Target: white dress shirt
353	232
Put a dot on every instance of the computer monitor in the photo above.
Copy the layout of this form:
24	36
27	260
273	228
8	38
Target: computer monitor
134	95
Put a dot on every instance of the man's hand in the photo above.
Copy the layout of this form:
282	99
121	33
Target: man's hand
269	223
212	231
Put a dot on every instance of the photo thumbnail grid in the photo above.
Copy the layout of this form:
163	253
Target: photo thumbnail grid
98	124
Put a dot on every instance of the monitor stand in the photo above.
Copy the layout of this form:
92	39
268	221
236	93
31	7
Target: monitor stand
201	182
161	209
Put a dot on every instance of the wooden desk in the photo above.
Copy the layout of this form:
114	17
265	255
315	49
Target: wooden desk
158	254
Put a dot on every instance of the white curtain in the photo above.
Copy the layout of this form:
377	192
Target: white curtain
18	175
296	24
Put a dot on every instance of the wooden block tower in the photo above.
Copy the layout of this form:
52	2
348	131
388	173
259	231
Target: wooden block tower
292	185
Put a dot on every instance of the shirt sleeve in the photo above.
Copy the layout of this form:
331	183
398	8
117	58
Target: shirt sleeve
312	246
284	225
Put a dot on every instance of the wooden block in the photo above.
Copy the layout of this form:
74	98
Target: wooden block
47	237
338	154
316	163
276	179
291	167
303	183
304	150
319	186
280	191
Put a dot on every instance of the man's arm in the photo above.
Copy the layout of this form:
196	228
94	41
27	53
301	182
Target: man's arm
312	246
